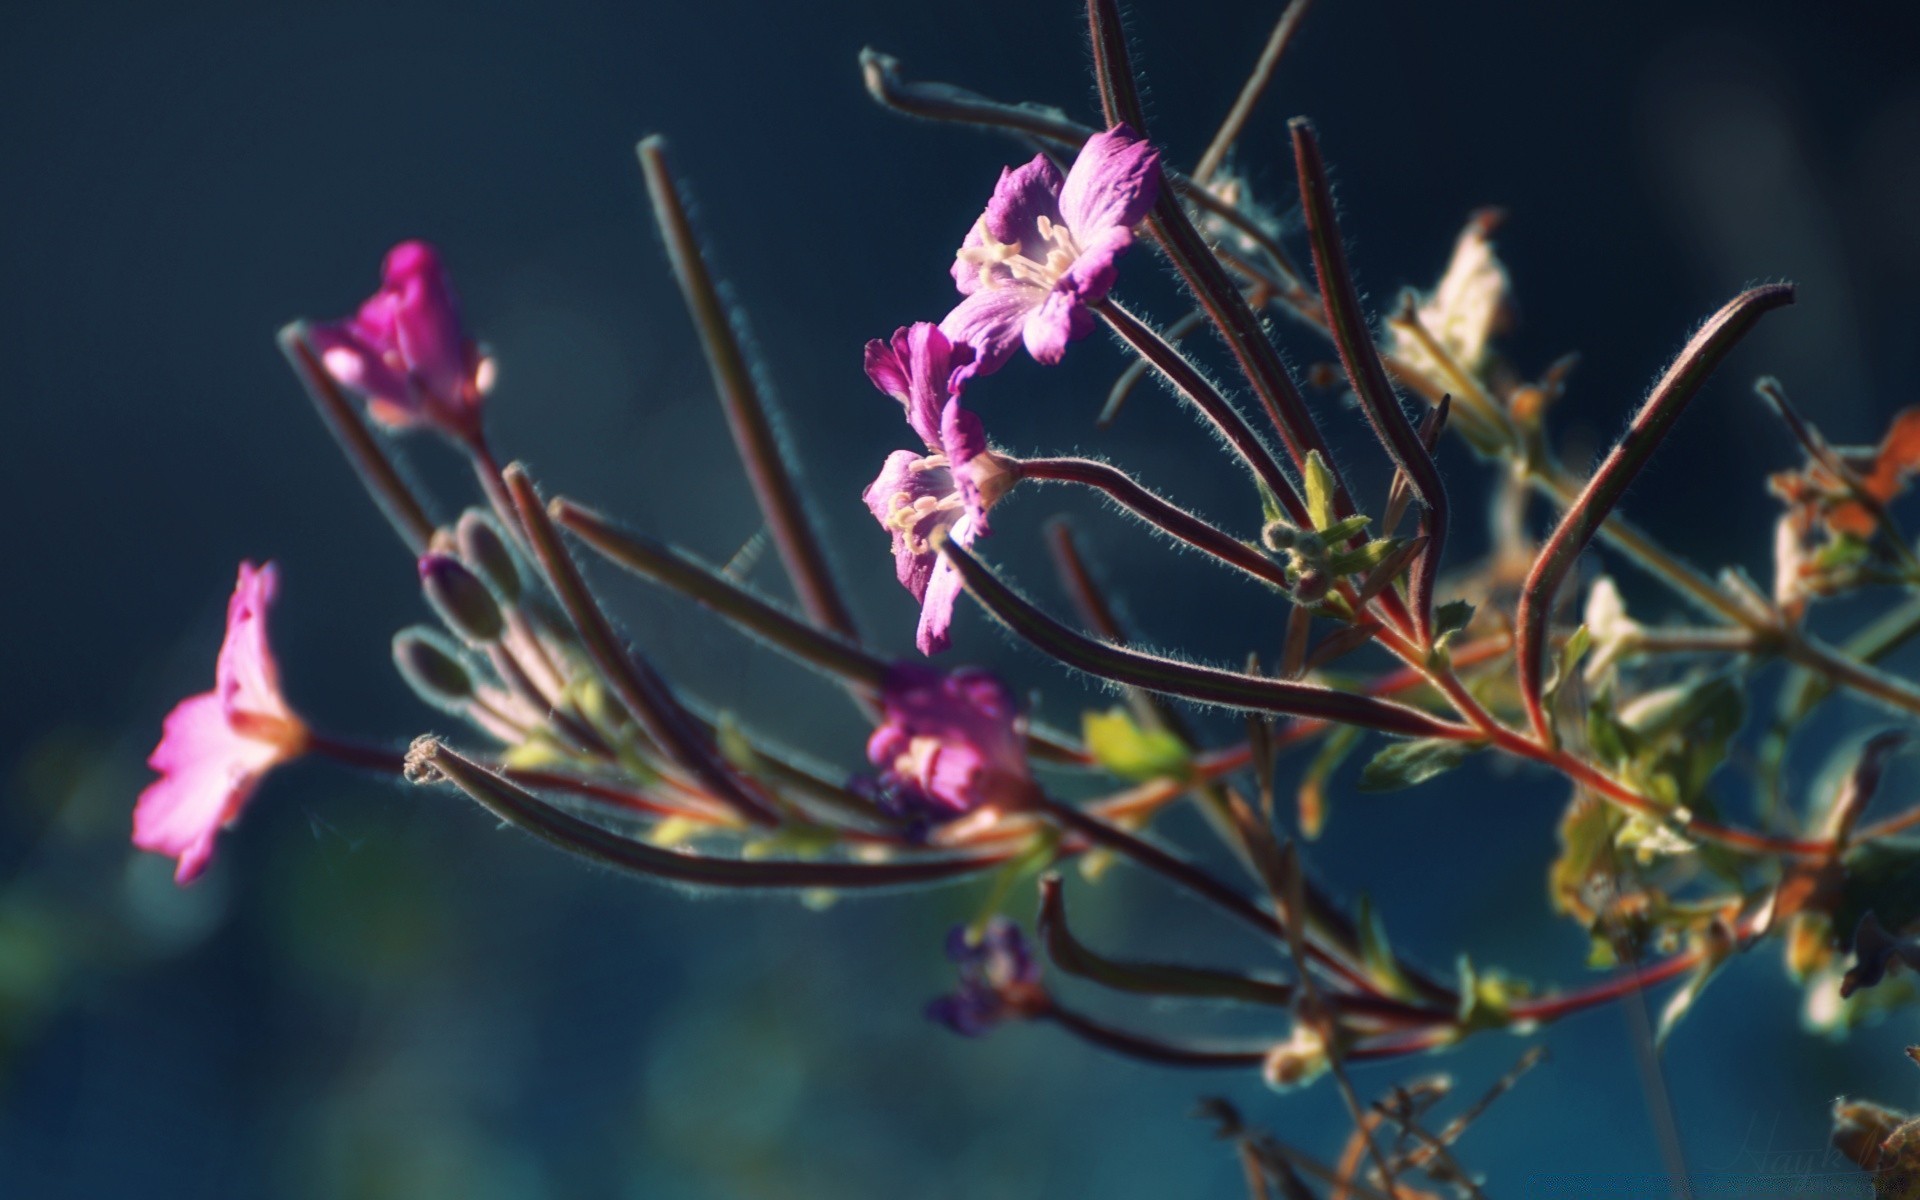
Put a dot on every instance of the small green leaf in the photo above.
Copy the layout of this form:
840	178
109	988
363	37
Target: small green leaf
1366	558
1339	531
1118	743
1377	953
1575	649
1609	737
1451	617
1270	509
1403	764
1311	798
1486	998
1319	490
735	746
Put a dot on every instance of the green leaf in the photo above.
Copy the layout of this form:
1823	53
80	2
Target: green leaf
735	746
1320	490
1339	531
1575	649
1118	743
1586	842
1377	953
1311	797
1486	1000
1451	617
1270	509
1403	764
1366	558
1609	737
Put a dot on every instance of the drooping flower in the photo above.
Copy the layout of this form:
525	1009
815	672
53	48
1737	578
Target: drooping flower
950	487
406	350
999	980
951	743
1469	306
217	746
1045	249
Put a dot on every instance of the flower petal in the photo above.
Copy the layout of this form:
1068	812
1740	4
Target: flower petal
208	771
990	322
426	320
917	368
1022	196
1060	319
936	608
248	677
1112	184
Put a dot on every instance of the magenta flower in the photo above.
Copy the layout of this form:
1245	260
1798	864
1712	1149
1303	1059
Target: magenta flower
218	745
406	350
1045	248
999	980
952	743
950	487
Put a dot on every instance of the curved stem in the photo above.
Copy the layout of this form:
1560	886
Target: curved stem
1219	412
1148	1049
1162	514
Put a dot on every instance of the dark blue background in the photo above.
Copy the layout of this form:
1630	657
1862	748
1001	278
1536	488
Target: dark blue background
374	994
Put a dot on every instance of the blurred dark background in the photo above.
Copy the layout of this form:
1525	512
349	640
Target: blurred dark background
373	993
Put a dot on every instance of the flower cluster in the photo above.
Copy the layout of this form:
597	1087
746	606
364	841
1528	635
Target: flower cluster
1029	270
585	744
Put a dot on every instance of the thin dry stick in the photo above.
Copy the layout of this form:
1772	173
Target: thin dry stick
1250	92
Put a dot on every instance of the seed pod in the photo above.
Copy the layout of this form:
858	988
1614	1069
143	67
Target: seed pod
486	551
432	667
461	600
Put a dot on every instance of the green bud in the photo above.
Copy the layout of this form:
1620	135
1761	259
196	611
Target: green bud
432	667
463	602
487	552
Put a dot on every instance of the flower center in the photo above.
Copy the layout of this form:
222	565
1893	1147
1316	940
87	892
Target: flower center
1061	251
915	518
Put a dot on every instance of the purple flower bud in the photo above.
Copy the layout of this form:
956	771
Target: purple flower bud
406	351
999	980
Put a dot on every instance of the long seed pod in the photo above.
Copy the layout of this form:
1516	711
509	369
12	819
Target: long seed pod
640	688
1664	404
1207	685
1223	301
1070	955
363	450
673	568
431	761
1160	513
1361	358
742	400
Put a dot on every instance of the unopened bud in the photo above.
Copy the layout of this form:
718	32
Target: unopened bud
1310	587
432	668
460	599
484	549
1278	536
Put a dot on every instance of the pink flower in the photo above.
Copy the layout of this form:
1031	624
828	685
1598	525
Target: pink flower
951	743
949	487
1045	248
217	746
406	351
